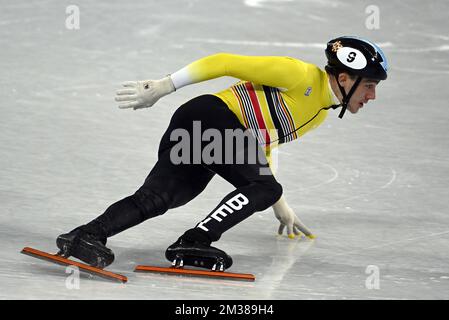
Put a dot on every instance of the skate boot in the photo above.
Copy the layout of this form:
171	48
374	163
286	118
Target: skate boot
86	247
197	254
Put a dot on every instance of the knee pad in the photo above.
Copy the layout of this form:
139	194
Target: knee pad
277	191
270	191
150	202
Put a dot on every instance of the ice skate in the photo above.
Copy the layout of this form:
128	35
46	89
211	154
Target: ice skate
86	247
59	259
197	254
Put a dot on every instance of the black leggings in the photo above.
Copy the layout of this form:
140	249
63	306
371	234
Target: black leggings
172	185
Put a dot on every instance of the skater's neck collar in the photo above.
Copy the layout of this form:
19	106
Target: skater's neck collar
335	100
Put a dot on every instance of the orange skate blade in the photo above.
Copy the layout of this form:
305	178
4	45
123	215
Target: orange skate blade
192	272
67	262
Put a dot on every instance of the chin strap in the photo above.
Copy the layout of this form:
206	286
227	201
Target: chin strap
347	97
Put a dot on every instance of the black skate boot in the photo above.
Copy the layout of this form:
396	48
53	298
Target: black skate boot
197	254
86	247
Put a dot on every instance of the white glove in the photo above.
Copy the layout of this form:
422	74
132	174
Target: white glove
289	219
143	94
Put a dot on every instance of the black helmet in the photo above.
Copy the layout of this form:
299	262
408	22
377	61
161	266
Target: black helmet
358	57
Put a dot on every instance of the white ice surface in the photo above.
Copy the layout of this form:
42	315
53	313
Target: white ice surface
373	186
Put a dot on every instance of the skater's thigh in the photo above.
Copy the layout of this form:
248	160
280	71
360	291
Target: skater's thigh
244	174
251	166
176	183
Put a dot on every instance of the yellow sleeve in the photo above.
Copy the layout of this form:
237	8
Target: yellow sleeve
281	72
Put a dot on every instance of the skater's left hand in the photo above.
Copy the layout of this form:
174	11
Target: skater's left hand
287	217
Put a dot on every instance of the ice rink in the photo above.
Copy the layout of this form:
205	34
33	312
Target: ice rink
373	186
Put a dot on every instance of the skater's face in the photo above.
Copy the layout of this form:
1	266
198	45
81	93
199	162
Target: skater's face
365	91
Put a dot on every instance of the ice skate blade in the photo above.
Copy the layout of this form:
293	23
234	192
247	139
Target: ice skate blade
193	272
67	262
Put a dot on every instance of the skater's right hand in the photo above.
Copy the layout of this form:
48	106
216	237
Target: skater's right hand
143	94
289	219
